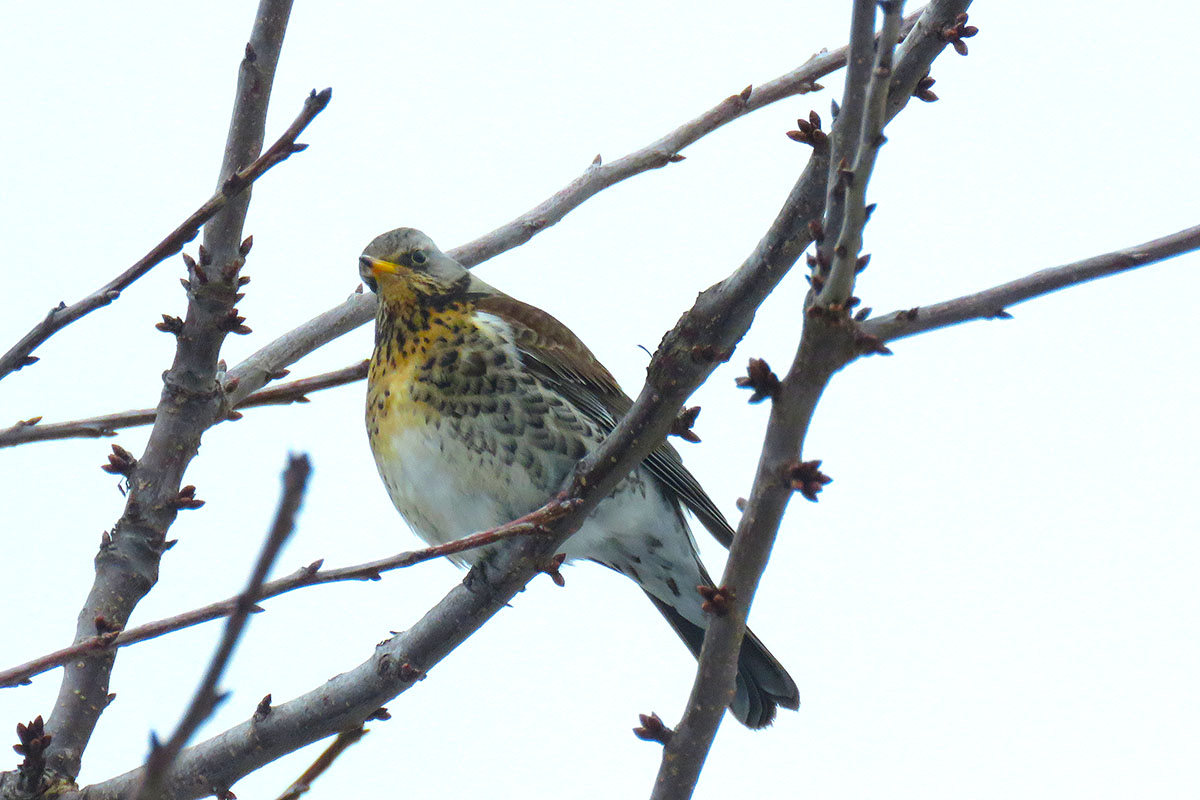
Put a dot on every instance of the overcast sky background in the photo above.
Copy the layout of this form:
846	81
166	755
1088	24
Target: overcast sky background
995	598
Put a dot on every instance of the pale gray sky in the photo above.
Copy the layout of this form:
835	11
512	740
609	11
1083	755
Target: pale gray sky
995	598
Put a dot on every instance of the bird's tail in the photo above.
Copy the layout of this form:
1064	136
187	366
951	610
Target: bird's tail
762	682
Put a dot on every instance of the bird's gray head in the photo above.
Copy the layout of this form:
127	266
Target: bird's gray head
406	252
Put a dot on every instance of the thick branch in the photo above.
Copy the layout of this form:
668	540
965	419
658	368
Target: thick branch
233	189
990	303
32	430
127	564
205	700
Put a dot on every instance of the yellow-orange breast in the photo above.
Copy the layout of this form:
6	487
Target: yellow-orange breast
464	436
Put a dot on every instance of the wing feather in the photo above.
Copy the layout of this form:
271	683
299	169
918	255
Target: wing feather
559	357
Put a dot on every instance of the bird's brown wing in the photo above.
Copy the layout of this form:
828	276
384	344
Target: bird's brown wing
560	358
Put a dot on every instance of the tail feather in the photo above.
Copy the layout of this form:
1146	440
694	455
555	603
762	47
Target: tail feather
762	682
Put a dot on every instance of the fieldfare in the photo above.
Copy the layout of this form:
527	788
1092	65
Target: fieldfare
478	408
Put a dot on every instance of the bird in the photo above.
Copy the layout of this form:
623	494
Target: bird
478	408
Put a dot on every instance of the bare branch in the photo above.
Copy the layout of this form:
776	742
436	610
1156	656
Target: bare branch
852	185
359	308
829	342
191	401
324	761
32	430
847	121
991	303
230	190
204	702
531	524
825	347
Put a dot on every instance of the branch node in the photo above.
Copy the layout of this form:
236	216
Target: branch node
410	674
552	568
710	353
381	714
121	462
263	710
170	324
816	231
186	499
955	34
809	132
32	743
807	479
923	90
233	323
871	345
652	729
760	379
718	600
682	426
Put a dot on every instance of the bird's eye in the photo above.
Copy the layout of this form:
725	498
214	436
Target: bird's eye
419	257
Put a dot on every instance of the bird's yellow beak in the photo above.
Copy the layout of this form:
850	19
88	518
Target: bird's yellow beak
377	266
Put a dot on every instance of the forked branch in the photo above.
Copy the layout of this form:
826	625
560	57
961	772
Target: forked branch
62	315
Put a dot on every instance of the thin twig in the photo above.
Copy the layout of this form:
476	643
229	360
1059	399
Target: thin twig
852	181
358	309
33	430
239	183
191	401
206	698
846	124
312	575
323	762
991	303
